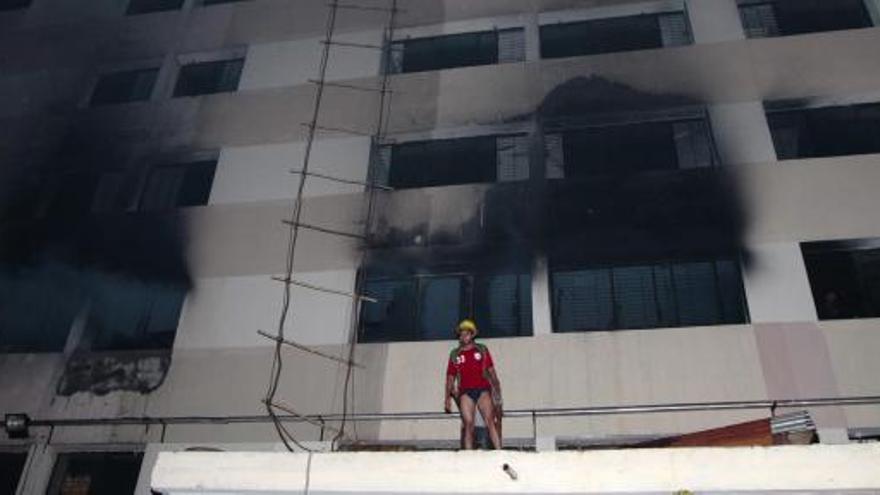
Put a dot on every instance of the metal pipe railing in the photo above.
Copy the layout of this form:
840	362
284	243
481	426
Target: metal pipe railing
534	414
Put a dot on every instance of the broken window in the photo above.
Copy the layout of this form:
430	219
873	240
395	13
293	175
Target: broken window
648	295
204	78
630	148
767	18
179	185
457	50
455	161
14	4
124	86
619	34
428	307
127	314
824	132
844	277
11	466
147	6
37	309
95	473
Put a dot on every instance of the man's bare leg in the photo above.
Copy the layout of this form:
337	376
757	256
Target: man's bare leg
487	409
467	408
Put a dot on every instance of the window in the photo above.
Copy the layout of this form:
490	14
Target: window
427	307
217	2
619	34
121	87
179	185
126	314
147	6
824	132
204	78
11	466
630	148
37	309
457	50
95	473
844	277
14	4
766	18
455	161
649	295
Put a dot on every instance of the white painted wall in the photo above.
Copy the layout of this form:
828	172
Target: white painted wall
226	312
290	63
714	21
835	468
777	286
264	172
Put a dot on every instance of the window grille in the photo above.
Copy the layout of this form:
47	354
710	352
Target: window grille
511	45
513	158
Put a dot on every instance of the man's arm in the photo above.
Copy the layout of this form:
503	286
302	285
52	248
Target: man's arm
496	387
450	392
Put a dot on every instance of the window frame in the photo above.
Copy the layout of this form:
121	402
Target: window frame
468	296
397	48
566	127
90	449
780	107
782	31
120	72
132	8
16	7
557	21
669	263
234	55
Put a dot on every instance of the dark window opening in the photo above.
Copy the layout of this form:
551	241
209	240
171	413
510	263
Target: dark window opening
619	34
766	18
217	2
14	4
205	78
121	87
446	52
11	466
844	277
824	132
443	162
95	473
37	309
428	307
126	314
634	148
650	295
457	50
148	6
179	185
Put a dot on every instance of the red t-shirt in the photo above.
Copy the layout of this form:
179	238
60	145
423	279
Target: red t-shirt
470	366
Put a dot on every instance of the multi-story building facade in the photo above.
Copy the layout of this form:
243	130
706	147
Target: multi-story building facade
654	202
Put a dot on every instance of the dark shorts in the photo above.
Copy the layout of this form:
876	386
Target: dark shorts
474	393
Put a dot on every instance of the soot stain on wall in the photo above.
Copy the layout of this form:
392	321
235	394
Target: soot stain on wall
604	218
46	220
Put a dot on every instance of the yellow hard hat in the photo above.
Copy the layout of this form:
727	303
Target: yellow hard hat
467	325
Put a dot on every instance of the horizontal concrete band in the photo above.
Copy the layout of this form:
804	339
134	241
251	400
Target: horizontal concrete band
815	468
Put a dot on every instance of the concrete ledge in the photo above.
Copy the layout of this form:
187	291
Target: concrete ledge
815	468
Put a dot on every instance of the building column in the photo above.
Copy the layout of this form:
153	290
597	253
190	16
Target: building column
741	133
714	21
777	286
542	323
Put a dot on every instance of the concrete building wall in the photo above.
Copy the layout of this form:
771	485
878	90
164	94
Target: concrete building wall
220	366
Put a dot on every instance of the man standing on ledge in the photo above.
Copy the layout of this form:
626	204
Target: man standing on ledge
471	380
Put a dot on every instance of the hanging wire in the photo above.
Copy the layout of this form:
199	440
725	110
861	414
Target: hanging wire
293	235
348	390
